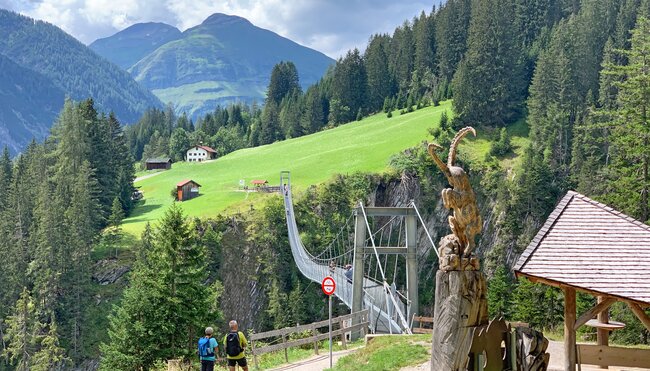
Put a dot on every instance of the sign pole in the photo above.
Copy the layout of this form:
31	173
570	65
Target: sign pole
329	286
330	299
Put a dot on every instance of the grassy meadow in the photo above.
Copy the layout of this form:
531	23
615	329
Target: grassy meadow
360	146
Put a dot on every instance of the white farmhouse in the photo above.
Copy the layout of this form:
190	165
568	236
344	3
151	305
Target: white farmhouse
200	153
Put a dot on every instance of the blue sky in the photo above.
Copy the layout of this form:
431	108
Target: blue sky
330	26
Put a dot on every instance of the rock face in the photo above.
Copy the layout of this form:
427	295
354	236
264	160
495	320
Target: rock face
107	271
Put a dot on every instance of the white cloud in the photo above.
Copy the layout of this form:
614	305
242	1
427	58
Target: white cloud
332	26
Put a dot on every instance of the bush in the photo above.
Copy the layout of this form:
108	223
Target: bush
174	194
389	114
502	146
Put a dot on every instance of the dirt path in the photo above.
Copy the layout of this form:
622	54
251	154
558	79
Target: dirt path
315	363
146	176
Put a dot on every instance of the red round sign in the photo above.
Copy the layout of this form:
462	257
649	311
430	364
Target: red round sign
328	285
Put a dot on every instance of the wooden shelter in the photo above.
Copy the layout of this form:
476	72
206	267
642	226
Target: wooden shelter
186	190
589	247
158	163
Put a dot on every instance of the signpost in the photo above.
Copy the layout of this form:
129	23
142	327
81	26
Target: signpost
328	286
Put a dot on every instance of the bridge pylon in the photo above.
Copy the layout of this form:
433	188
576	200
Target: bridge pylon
365	247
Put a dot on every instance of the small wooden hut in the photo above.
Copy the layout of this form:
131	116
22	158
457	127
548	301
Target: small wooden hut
589	247
260	183
164	163
187	189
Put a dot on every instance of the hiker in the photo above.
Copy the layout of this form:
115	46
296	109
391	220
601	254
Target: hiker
348	272
235	344
286	190
208	347
332	267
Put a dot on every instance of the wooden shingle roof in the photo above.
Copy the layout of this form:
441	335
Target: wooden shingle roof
592	247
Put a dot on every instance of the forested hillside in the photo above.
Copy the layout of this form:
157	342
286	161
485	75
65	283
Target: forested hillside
28	106
70	67
574	72
57	197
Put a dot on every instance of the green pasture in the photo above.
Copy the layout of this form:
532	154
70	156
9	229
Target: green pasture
358	146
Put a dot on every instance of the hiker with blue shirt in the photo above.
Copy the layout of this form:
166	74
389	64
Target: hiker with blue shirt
208	348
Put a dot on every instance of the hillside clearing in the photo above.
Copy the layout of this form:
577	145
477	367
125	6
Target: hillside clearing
360	146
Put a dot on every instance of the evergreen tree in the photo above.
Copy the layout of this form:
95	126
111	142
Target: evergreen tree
290	113
269	130
452	26
169	289
349	84
21	333
500	294
284	80
380	82
424	35
314	115
401	56
629	174
489	86
51	355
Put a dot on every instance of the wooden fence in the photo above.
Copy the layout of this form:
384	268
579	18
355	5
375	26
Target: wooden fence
421	322
339	328
603	355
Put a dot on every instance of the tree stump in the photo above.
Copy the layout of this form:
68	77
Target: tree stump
460	306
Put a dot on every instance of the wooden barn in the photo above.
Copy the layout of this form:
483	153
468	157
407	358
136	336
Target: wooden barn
158	163
187	190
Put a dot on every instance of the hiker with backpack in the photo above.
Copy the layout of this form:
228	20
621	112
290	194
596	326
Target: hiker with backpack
208	347
235	344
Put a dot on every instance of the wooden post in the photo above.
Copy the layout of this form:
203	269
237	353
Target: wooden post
284	342
254	354
314	333
602	335
569	331
460	306
343	341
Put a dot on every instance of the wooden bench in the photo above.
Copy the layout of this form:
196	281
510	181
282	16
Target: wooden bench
421	323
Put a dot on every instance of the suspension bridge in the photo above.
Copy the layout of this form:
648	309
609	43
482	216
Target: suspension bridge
379	246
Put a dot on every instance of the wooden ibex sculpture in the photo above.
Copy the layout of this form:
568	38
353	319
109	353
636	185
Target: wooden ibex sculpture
466	222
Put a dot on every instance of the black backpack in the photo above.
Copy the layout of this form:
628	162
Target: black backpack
233	348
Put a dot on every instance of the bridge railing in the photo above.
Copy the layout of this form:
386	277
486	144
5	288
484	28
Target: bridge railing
340	326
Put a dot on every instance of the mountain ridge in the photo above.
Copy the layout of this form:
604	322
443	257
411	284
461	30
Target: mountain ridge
224	59
68	65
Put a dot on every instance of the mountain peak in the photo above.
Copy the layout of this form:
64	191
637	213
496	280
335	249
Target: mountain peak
222	19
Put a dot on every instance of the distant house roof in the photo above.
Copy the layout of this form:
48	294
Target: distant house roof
259	181
206	148
160	160
180	184
593	247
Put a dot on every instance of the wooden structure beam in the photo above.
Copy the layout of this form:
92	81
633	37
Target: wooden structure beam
591	313
640	313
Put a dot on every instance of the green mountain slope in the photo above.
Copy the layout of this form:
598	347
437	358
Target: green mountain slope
29	103
224	59
70	67
359	146
128	46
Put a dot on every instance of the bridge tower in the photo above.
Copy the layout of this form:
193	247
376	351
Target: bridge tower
364	246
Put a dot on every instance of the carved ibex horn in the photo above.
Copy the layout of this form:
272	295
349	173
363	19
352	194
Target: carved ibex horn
454	143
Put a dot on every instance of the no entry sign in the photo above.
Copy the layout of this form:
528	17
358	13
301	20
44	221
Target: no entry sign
328	285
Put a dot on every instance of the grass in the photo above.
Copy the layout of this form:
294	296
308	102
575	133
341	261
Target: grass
386	353
480	146
358	146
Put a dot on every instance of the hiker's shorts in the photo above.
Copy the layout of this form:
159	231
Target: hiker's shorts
241	362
